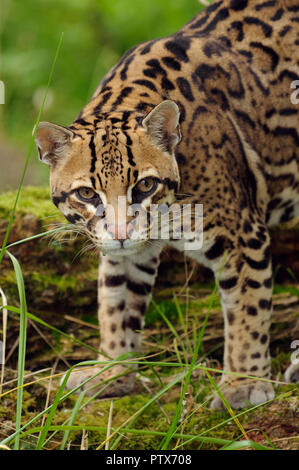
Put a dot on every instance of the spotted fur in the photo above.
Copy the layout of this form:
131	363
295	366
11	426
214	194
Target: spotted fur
207	113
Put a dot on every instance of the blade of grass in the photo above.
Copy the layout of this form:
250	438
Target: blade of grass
109	425
165	443
22	343
58	398
72	419
246	443
10	308
11	217
57	428
133	418
227	405
90	363
3	345
15	434
228	420
172	329
182	322
38	235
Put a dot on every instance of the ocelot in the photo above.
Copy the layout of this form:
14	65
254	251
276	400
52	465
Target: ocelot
211	113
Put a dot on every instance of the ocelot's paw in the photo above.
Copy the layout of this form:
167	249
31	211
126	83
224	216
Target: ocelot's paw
292	373
243	393
118	386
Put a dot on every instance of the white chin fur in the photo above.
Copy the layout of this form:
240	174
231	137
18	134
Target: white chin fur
114	247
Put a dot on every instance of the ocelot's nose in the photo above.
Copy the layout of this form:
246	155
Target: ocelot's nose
119	232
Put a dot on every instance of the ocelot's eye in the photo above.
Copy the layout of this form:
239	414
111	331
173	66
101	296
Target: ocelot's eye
146	185
86	194
143	189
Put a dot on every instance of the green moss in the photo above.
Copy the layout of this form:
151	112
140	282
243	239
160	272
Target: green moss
286	289
196	308
33	200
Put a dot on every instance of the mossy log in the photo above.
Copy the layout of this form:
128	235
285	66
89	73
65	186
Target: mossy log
61	283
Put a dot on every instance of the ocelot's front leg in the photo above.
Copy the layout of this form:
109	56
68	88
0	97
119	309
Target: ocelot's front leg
124	290
246	297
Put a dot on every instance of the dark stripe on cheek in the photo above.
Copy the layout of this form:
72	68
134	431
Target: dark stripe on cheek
59	199
93	182
73	218
100	181
93	154
130	156
128	175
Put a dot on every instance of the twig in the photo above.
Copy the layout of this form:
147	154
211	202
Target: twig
3	346
109	426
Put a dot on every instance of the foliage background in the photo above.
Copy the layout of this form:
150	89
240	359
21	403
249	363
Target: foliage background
96	34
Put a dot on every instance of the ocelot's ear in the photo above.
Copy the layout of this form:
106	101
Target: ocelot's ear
53	142
162	125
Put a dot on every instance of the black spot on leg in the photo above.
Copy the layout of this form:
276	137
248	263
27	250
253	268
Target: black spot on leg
256	355
247	227
265	304
230	317
264	339
145	269
114	281
253	284
259	265
254	334
133	323
228	283
268	282
242	357
254	244
140	308
111	310
217	249
252	311
139	289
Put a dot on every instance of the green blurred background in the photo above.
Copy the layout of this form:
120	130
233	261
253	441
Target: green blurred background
96	34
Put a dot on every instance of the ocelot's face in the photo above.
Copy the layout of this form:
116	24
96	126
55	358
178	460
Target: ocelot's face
107	177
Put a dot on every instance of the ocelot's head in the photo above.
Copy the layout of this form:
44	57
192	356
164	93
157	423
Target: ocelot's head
108	170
